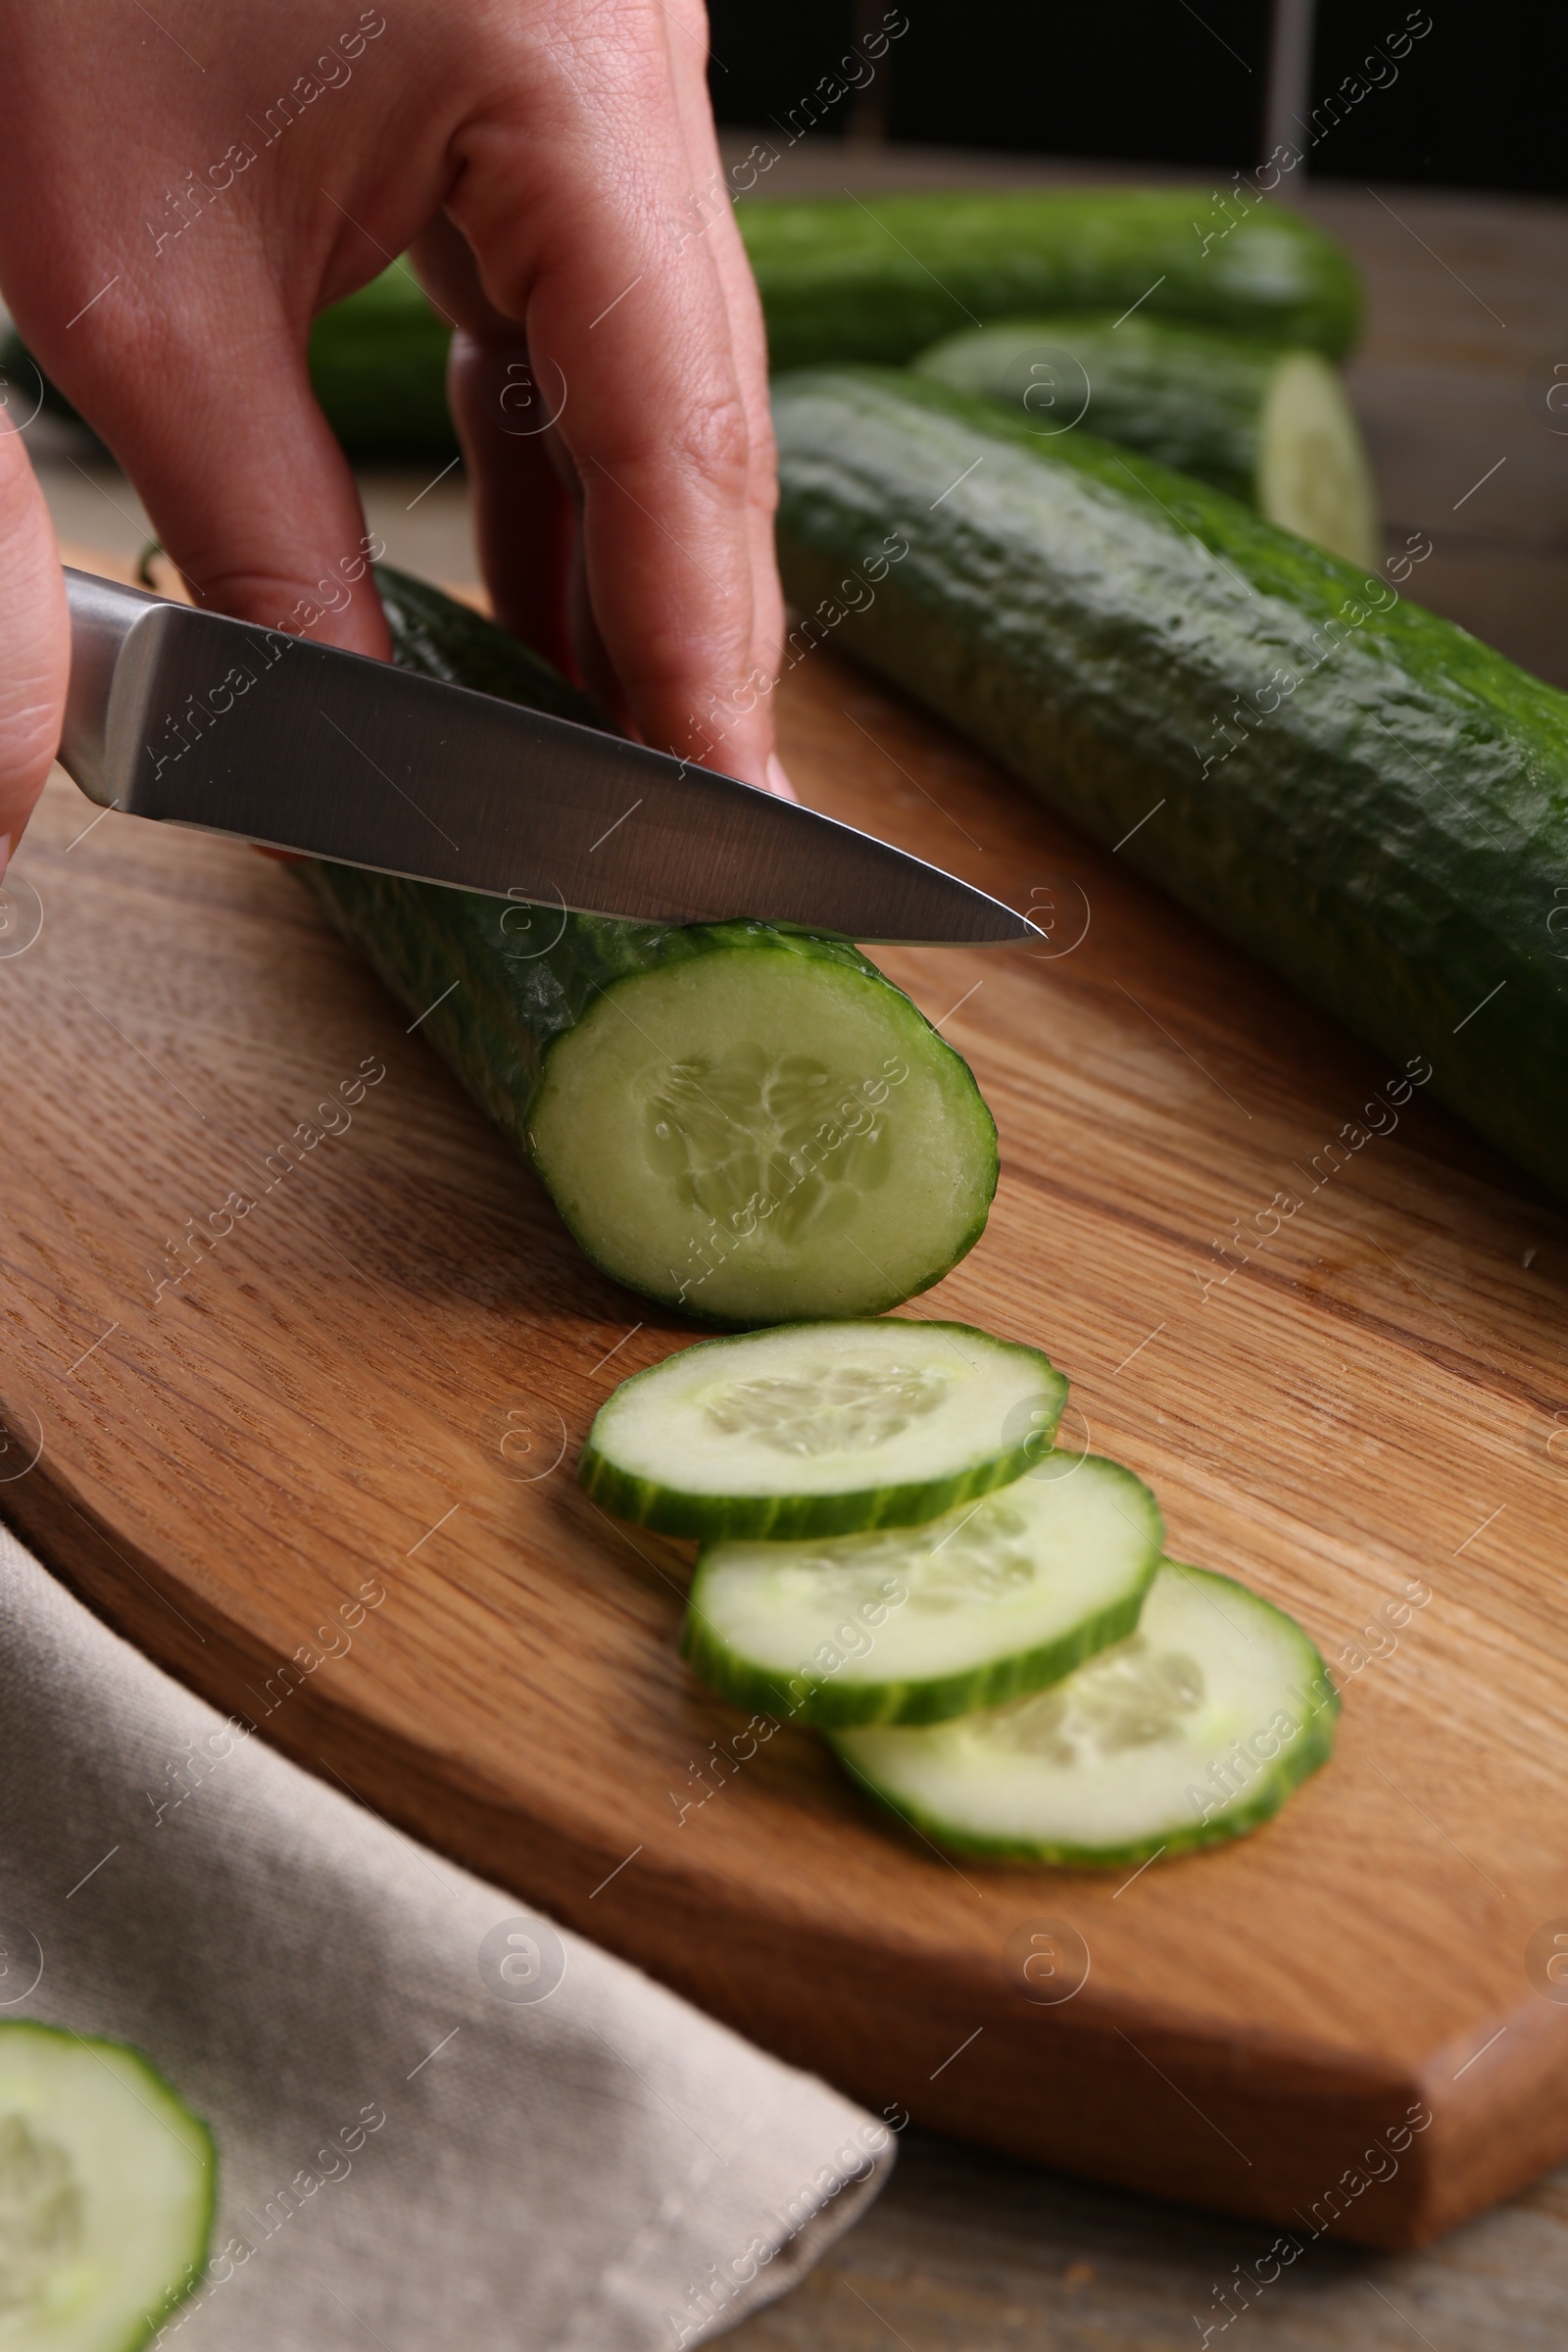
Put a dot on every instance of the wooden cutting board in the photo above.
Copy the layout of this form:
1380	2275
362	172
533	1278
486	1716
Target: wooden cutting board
375	1384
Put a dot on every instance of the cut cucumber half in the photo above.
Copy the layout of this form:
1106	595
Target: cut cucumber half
764	1128
107	2190
1268	425
821	1429
1193	1729
913	1625
751	1125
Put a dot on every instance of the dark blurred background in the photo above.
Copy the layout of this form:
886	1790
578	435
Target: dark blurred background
1475	102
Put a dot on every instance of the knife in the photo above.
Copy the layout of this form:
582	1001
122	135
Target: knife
190	718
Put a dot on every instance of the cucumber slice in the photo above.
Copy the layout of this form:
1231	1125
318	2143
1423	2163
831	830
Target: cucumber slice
996	1598
1195	1730
1265	425
378	369
107	2190
821	1429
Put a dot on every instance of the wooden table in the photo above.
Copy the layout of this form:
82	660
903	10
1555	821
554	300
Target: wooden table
974	2251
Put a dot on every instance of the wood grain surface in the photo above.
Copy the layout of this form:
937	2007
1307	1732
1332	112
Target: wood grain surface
377	1381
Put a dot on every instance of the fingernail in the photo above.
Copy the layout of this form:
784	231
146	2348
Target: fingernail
5	850
779	781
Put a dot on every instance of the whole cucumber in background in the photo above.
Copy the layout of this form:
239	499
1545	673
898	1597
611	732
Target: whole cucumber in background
883	279
378	366
1352	789
1270	426
840	281
751	1125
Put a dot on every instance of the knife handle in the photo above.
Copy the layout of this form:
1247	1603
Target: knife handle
103	616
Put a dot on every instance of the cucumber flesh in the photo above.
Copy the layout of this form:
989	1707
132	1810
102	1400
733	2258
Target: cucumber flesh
913	1624
1267	426
821	1429
107	2190
765	1133
1312	471
1192	1731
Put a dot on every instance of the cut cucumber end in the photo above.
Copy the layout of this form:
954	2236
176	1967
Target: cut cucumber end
1312	471
818	1428
1189	396
108	2185
761	1133
993	1600
1192	1731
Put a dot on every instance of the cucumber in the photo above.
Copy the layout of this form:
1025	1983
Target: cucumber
1192	1731
24	388
995	1598
1350	788
378	366
821	1428
108	2184
377	363
841	279
751	1125
1272	427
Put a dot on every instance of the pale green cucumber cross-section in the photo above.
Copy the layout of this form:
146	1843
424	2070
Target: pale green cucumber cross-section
821	1429
916	1624
106	2192
763	1128
1193	1729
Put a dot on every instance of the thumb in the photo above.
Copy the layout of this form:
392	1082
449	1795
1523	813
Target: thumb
34	640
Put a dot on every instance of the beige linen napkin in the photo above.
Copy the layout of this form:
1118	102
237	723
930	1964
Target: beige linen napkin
441	2123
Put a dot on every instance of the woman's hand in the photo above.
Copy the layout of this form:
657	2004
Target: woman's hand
180	196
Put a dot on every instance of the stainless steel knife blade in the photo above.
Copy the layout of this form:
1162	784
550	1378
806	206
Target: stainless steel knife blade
193	719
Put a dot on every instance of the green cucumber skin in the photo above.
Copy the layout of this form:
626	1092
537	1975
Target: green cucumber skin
155	2322
17	362
1192	397
783	1518
431	632
843	281
824	1701
377	364
1087	616
504	1013
421	938
379	368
